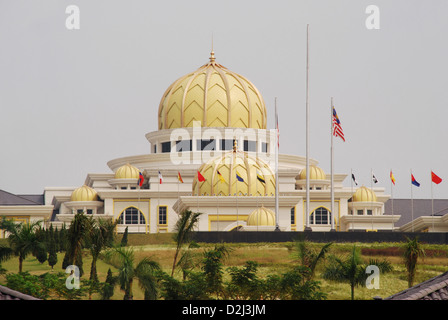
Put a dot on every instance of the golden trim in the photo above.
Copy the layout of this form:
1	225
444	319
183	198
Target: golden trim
147	220
337	223
226	217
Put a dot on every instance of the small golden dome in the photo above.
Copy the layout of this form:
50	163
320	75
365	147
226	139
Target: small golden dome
364	194
214	96
251	169
261	217
84	193
316	173
127	171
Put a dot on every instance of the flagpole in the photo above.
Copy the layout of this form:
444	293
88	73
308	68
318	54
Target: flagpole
353	209
392	200
276	169
371	188
331	159
412	207
307	207
432	202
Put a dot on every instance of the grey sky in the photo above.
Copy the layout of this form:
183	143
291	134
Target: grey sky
71	100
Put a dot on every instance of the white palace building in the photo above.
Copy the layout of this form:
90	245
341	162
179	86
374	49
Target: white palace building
211	130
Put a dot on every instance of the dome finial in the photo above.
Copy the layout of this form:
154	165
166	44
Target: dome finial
235	145
212	53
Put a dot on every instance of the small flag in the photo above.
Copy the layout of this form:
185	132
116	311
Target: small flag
140	179
221	178
200	177
414	182
436	179
392	178
354	179
375	180
179	177
337	128
160	178
260	178
240	179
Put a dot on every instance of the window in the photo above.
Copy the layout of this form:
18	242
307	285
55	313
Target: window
89	211
360	212
369	212
250	146
227	144
166	147
131	216
320	216
163	214
206	144
183	145
264	147
293	215
155	148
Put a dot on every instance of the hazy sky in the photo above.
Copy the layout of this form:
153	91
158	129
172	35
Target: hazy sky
71	100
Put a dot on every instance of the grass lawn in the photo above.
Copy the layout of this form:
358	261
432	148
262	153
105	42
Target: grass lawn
273	258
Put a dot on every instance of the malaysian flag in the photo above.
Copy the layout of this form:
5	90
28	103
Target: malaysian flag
337	128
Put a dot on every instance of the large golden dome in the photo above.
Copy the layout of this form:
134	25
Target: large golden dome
261	217
215	96
316	173
364	194
228	165
127	171
84	193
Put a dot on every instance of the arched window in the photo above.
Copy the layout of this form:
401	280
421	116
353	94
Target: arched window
320	216
131	215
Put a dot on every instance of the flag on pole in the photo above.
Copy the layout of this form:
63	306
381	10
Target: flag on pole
354	179
337	128
238	176
221	178
200	177
140	179
260	177
375	180
160	178
414	182
179	177
435	178
392	178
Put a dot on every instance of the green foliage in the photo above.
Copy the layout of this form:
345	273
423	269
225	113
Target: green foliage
108	287
124	239
412	251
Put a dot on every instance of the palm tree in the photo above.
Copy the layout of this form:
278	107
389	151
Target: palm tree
76	238
5	254
22	238
352	270
412	251
309	257
145	271
101	235
183	231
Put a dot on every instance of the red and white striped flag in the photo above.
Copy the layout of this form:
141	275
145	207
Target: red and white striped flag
337	128
160	178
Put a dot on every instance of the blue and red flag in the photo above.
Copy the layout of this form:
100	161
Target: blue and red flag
414	182
140	179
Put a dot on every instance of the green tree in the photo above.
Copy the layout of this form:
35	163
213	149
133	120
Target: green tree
296	284
352	270
108	288
22	238
76	237
412	250
183	231
244	283
124	239
309	257
5	254
123	259
101	236
212	267
52	254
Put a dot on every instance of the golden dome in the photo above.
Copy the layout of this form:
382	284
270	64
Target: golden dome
316	173
228	165
261	217
364	194
127	171
84	193
215	96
